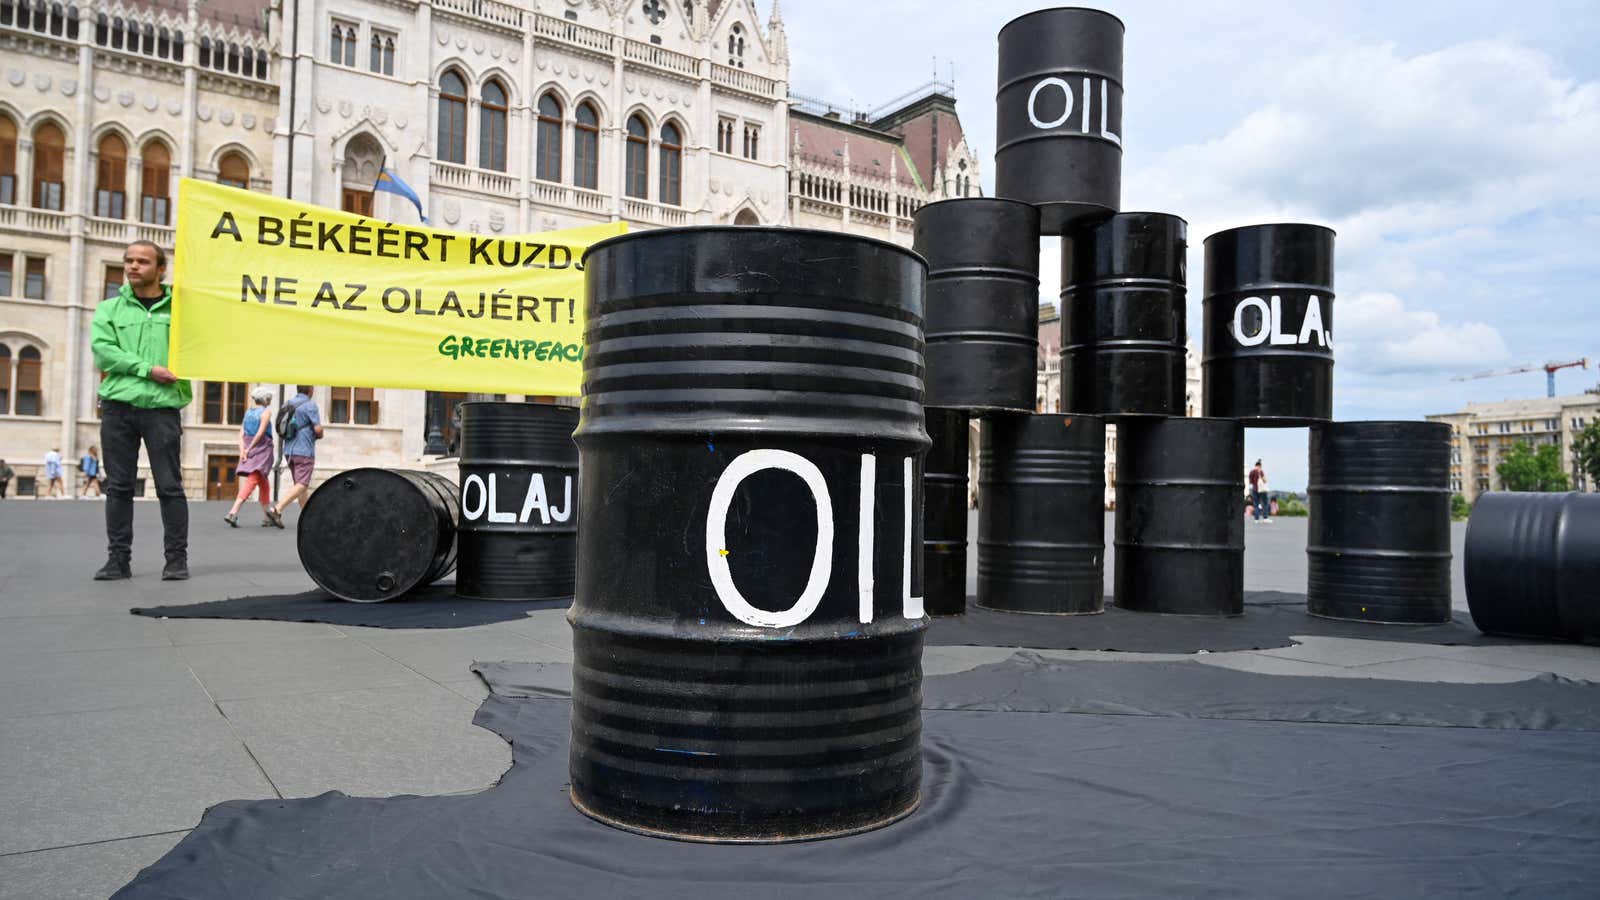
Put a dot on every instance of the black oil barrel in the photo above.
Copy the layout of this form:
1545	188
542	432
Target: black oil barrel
374	534
1378	543
1041	514
1268	312
944	514
982	322
1180	516
748	625
1533	565
1123	326
1058	115
519	486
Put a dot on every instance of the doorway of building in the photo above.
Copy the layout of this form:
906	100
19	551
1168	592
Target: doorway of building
222	476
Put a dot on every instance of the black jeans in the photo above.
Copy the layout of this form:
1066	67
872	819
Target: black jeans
122	426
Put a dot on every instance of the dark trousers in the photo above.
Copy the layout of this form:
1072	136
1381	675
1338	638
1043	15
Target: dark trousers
122	427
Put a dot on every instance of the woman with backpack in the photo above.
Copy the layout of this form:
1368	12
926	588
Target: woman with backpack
255	456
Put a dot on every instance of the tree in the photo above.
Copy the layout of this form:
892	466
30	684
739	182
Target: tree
1586	452
1523	468
1459	507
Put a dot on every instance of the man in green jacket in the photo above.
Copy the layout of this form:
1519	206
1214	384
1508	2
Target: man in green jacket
139	400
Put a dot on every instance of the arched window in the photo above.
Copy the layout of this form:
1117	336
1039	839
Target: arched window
736	46
233	169
49	163
111	178
177	46
163	43
586	149
205	51
343	49
155	163
5	380
671	165
382	53
547	167
30	391
149	48
452	117
8	159
637	180
492	127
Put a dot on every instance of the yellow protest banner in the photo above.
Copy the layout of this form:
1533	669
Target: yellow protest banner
270	290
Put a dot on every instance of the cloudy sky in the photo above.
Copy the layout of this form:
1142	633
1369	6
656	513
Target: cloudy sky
1454	146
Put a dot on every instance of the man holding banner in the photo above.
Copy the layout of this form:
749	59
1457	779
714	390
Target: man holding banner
139	400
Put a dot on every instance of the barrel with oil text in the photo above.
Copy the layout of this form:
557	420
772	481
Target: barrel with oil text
944	514
518	537
1268	312
1041	514
373	534
1533	565
748	624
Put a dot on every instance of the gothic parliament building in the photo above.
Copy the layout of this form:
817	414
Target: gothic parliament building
506	117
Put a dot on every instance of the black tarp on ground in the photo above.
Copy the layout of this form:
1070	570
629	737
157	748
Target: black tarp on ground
1028	682
1270	617
1015	805
433	606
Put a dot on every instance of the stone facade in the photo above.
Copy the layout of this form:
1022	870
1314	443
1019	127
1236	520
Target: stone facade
1482	432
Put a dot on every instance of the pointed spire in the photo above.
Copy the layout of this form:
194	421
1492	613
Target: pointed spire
776	37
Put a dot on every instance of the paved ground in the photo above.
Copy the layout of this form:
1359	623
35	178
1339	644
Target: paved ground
117	731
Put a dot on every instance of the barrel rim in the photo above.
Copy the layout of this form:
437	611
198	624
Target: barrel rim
515	403
1060	9
1161	417
751	229
1135	212
1002	200
1239	228
1386	422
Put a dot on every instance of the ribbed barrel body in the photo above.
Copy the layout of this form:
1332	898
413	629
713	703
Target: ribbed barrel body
1123	316
1268	312
519	480
1041	514
1378	543
944	514
747	630
1058	114
1180	516
1533	565
983	303
374	534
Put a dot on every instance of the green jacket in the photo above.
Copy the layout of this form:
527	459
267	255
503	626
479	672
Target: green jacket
128	341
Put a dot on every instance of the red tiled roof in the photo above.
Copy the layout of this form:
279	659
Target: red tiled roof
919	138
870	155
244	14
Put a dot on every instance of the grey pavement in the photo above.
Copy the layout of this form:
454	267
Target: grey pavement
117	731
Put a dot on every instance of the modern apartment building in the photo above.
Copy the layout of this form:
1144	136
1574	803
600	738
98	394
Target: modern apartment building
1482	432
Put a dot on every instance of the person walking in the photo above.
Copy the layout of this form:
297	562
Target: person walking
255	456
300	449
6	474
1259	496
52	474
90	467
139	401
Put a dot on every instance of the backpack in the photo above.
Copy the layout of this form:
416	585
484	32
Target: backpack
288	423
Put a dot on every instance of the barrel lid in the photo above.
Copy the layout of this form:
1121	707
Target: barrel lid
1062	9
1240	228
773	230
999	201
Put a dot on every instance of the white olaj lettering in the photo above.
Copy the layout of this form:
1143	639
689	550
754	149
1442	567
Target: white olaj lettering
1260	337
1313	322
496	515
1312	326
565	513
1279	339
536	499
469	512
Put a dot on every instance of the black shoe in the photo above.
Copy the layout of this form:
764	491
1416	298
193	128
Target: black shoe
176	570
231	519
275	517
114	570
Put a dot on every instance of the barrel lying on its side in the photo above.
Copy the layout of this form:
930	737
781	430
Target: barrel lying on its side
1533	565
944	514
1041	514
374	534
1378	543
747	632
1180	516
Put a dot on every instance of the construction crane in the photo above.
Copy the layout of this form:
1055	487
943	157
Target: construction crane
1550	370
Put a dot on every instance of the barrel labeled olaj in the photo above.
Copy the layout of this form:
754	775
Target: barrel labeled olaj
1123	324
944	514
518	538
1180	516
1378	542
748	625
374	534
1058	114
1268	312
983	303
1533	565
1041	514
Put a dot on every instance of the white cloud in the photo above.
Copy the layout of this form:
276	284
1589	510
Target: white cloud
1376	333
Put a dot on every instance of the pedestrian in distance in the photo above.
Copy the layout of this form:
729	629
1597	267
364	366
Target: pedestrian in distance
90	467
52	474
255	456
300	427
6	474
1260	497
139	401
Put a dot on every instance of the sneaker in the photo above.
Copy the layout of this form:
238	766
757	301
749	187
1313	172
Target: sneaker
275	517
176	570
114	570
231	519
